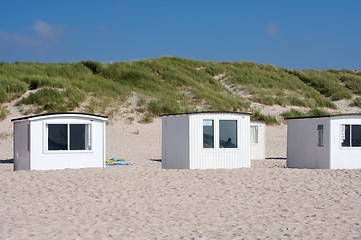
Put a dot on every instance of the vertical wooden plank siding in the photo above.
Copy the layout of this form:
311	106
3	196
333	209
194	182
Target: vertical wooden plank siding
344	157
208	158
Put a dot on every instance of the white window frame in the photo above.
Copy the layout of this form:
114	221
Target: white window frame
256	127
46	135
219	138
342	137
216	133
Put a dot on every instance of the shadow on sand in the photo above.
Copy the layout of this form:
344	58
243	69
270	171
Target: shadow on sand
156	160
7	161
276	158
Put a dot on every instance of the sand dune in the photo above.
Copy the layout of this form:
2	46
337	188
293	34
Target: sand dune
143	201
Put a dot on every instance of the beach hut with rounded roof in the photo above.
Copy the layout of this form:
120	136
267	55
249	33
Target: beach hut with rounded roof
330	142
59	141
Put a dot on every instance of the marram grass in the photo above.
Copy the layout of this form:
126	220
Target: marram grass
171	85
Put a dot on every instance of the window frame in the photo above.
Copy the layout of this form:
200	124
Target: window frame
320	135
343	136
216	134
213	128
256	127
88	126
219	134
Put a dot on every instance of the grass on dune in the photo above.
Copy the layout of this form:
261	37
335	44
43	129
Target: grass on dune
171	85
312	112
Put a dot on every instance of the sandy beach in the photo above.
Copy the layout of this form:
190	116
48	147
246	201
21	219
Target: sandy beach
143	201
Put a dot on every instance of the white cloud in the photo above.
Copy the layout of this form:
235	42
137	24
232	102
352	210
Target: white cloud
272	29
43	38
44	29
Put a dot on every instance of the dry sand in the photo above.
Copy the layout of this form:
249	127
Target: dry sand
143	201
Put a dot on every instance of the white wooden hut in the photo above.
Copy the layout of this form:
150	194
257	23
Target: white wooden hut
59	141
258	140
331	142
206	140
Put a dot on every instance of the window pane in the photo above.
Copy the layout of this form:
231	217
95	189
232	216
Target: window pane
57	137
345	135
228	133
320	135
254	134
80	137
208	133
356	135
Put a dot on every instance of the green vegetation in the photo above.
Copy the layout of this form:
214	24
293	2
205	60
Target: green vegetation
3	112
269	119
317	112
357	102
54	100
270	85
171	85
312	112
293	113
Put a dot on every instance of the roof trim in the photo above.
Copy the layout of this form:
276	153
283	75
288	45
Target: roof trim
326	116
205	112
58	113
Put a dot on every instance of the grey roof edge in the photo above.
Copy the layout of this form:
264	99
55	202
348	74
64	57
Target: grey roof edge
325	116
58	113
205	112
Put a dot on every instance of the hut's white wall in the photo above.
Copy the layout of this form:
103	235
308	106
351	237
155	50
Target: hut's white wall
41	159
258	148
175	142
344	157
21	146
302	143
217	157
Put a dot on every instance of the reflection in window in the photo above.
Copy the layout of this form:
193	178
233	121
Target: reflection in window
345	135
57	137
320	135
80	137
228	133
208	133
351	135
254	134
69	137
356	136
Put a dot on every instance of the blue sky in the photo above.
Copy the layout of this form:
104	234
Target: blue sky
295	34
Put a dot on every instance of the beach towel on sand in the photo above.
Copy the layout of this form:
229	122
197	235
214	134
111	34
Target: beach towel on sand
117	162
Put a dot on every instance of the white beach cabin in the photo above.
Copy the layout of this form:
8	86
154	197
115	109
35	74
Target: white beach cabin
206	140
258	140
59	141
330	142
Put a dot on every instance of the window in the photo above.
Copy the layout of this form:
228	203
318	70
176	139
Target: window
228	133
320	135
208	133
57	137
350	135
68	137
79	137
254	134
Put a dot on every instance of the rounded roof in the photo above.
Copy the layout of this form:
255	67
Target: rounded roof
60	114
325	116
206	112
